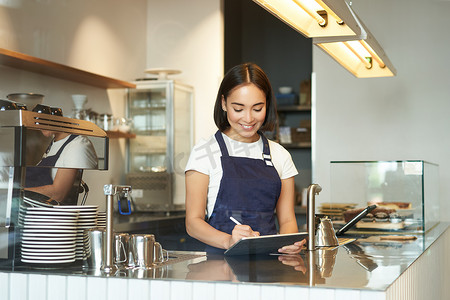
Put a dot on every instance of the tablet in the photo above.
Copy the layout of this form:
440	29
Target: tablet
265	244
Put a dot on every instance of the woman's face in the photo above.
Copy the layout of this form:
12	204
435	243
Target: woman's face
246	111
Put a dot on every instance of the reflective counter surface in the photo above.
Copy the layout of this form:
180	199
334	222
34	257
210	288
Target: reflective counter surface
368	263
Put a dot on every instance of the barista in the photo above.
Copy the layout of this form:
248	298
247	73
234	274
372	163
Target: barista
58	174
238	172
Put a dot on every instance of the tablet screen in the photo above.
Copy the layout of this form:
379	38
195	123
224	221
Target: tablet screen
265	244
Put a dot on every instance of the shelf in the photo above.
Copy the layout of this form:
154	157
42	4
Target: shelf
33	64
304	145
120	134
289	108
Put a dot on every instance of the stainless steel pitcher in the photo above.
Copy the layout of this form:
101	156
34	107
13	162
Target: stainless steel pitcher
325	234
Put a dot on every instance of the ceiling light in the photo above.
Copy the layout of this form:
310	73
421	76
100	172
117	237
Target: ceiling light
314	18
361	55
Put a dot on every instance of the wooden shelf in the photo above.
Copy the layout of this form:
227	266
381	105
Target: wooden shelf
33	64
290	108
119	134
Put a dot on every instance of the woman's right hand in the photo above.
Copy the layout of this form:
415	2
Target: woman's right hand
240	231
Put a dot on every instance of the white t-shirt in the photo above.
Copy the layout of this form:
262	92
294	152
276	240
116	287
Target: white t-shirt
205	158
78	154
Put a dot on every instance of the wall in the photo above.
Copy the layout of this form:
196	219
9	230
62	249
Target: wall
252	34
106	37
400	118
188	36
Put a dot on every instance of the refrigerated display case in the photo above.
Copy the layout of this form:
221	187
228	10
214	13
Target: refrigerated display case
162	115
406	190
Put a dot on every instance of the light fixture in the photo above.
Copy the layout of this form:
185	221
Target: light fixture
314	18
361	55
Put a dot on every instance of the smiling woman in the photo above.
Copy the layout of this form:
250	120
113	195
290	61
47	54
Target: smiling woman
237	172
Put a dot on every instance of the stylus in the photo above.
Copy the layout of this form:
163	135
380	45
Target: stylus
235	221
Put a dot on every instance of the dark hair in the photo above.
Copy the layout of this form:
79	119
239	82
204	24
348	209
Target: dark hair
240	75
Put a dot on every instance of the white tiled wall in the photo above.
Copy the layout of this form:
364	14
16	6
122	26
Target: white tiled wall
425	279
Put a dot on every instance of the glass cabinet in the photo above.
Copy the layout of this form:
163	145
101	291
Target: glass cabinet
162	115
407	191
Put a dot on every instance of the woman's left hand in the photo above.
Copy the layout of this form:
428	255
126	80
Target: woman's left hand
293	249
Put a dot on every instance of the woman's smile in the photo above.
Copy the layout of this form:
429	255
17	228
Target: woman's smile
246	112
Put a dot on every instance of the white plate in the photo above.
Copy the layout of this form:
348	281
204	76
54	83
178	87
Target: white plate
88	215
45	218
48	210
84	223
47	235
45	227
30	230
49	224
49	240
46	246
87	226
47	252
81	207
56	261
45	257
50	213
66	242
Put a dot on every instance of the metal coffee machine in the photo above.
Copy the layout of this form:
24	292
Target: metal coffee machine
22	146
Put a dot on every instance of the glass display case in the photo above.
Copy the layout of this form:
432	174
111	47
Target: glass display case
162	114
406	194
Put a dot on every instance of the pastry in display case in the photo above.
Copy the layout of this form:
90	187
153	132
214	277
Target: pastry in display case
406	194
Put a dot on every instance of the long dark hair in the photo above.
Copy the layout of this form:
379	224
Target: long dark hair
244	74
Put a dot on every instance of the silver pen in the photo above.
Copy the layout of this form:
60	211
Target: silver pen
235	221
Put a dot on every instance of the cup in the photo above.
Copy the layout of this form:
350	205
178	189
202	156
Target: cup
159	254
121	242
142	250
79	101
95	247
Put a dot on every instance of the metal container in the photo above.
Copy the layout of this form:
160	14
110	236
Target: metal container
95	247
121	243
29	99
325	234
142	250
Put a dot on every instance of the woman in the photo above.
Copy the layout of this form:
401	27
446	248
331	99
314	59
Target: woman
60	167
239	173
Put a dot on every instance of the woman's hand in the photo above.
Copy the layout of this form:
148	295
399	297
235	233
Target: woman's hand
293	249
240	231
295	261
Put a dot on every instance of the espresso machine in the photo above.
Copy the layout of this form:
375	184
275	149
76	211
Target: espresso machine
22	146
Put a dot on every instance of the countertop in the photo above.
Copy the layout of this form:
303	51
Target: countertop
369	263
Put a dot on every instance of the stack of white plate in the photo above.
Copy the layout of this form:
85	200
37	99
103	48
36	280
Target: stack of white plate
101	219
87	219
48	235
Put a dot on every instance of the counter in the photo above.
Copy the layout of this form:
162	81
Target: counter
368	268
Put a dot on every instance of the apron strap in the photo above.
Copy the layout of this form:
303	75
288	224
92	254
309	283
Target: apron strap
60	150
223	147
266	151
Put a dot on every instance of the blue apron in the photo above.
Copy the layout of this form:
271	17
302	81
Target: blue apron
249	191
42	173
